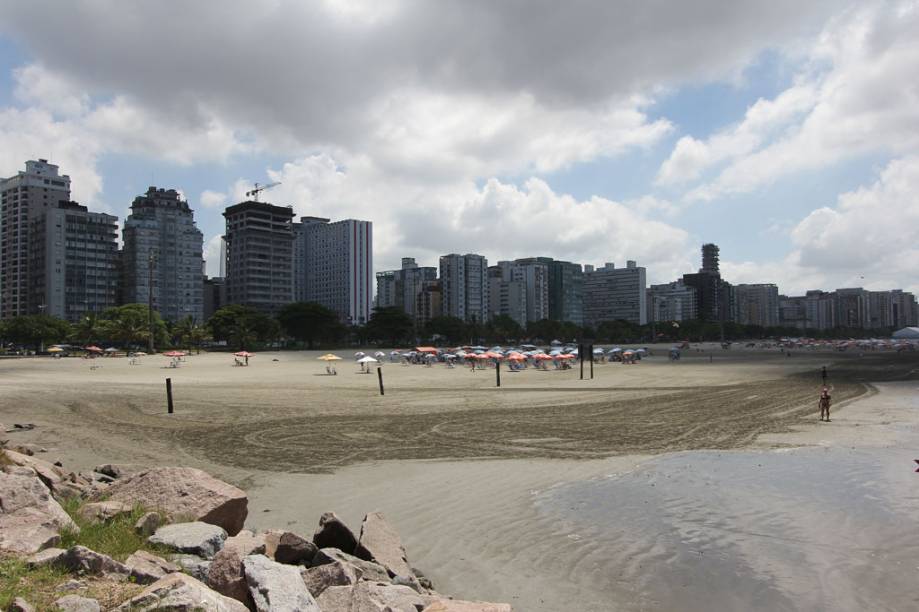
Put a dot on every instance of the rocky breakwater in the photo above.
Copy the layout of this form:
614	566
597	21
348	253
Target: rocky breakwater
204	559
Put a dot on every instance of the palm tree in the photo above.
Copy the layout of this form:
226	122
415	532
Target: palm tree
89	330
189	333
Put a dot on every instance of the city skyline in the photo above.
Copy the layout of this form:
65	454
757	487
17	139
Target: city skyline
780	132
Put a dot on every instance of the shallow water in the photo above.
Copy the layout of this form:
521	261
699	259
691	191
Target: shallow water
802	529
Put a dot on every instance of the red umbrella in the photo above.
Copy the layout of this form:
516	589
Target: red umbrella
92	348
174	354
244	354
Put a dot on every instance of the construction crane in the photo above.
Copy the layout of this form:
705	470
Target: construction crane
258	189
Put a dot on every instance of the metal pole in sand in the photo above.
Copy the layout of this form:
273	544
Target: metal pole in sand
380	376
498	372
169	395
591	349
581	359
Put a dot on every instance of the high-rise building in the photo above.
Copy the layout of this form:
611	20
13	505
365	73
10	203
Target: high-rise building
429	304
903	306
852	308
612	293
400	288
73	261
464	282
820	310
214	295
529	278
757	304
259	238
162	227
334	266
715	297
671	302
22	199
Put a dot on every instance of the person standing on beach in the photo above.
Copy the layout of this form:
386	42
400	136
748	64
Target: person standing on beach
825	405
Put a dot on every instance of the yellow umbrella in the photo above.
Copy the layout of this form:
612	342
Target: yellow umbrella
55	349
329	357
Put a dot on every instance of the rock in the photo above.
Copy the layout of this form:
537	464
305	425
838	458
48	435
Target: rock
20	605
82	560
20	470
49	556
30	519
71	585
335	599
115	471
380	542
75	603
456	605
333	533
185	494
56	479
193	565
22	449
180	593
148	523
409	581
335	574
368	569
276	587
147	568
196	538
381	597
290	548
423	580
225	574
104	511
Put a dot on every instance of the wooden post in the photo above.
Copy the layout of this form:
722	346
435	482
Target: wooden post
498	372
591	349
169	395
380	376
581	359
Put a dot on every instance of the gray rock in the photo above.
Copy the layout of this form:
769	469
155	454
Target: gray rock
104	511
61	484
30	519
380	597
71	585
185	494
21	605
147	568
409	581
196	538
225	574
457	605
49	556
247	543
148	523
82	560
19	470
180	593
335	574
276	587
423	580
75	603
292	549
115	471
333	533
193	565
380	542
368	569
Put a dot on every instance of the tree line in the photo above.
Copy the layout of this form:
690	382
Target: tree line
310	325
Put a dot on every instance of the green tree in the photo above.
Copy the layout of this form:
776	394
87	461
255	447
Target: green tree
453	329
90	329
310	322
503	328
241	326
36	330
189	333
129	325
390	324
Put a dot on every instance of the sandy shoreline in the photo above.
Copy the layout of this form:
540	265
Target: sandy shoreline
496	529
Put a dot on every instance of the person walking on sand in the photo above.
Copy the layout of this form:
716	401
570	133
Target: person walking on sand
825	405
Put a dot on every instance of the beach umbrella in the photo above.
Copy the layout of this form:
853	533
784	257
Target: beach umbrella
241	354
55	349
367	359
598	351
111	349
329	357
175	354
92	348
426	349
359	354
615	350
140	354
555	353
379	354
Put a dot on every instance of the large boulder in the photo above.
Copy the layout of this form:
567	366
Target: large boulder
333	533
30	518
184	494
288	547
371	597
104	510
367	570
276	587
147	568
75	603
456	605
322	577
225	574
21	605
380	542
193	565
61	484
180	593
43	558
148	523
201	539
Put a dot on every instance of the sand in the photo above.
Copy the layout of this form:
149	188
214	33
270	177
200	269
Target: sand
516	494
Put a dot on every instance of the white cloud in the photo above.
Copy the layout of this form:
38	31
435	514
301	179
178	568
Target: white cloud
212	199
212	254
867	240
860	95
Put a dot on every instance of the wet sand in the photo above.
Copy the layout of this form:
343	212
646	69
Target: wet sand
551	493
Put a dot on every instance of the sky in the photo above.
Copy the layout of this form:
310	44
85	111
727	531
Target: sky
786	132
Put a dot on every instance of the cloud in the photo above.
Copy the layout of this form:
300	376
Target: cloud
498	219
212	199
868	239
857	95
212	254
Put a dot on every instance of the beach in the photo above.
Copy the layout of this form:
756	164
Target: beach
700	484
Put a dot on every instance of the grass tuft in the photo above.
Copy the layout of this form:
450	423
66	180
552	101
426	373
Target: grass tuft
115	537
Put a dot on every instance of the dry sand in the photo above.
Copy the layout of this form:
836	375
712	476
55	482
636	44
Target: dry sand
478	479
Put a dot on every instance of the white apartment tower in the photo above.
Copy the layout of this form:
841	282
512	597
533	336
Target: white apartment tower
464	282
